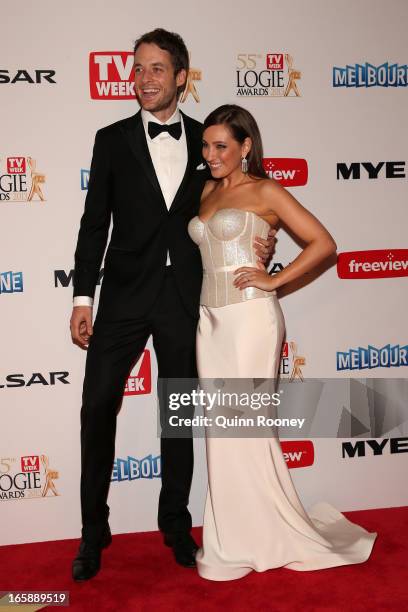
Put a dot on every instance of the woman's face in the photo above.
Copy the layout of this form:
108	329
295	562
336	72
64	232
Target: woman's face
222	152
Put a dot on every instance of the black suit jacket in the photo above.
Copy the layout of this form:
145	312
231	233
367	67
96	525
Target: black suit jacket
123	187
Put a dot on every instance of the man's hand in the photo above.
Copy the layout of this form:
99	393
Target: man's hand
81	325
264	248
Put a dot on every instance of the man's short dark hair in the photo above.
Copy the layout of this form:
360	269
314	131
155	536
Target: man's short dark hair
173	44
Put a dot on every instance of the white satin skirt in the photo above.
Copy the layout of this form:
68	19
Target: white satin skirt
254	519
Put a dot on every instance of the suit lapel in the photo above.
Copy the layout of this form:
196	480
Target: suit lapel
136	139
193	139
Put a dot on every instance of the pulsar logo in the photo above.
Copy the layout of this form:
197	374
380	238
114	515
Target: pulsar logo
37	77
267	74
382	169
373	264
139	381
11	282
389	356
290	172
368	75
134	469
19	380
361	448
298	453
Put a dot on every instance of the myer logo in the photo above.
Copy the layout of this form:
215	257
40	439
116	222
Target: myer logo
382	169
361	448
298	453
289	171
139	381
373	264
63	278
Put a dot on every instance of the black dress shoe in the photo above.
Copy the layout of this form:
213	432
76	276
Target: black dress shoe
184	548
87	563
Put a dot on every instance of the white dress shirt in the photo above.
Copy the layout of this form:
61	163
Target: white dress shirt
169	157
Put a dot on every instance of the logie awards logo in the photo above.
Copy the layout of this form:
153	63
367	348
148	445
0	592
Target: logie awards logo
27	477
19	180
267	74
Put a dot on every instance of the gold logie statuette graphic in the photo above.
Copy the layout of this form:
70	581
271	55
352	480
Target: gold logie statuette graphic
193	75
36	179
297	362
293	76
50	476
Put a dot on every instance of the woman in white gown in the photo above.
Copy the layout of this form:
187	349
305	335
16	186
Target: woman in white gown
253	517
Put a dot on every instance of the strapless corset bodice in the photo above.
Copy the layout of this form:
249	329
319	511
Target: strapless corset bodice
226	243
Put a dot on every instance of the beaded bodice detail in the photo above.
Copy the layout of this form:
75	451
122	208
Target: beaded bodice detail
226	243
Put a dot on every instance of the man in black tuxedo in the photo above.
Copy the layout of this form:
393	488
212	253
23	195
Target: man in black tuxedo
147	175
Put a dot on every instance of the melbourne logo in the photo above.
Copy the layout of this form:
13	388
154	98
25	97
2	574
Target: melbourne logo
291	363
133	469
368	170
27	477
37	77
367	75
11	282
373	264
389	356
290	172
298	453
84	179
19	180
267	74
111	77
139	381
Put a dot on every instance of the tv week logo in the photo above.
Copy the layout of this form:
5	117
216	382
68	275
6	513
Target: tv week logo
139	381
289	171
30	463
111	75
298	453
373	264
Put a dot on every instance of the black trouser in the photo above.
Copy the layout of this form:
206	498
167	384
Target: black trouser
113	348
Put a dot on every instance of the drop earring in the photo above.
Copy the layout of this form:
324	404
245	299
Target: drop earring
244	165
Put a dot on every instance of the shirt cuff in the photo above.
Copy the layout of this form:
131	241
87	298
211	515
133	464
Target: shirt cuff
83	300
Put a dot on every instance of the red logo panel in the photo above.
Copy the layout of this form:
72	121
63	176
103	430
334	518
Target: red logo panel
385	263
274	61
16	165
139	381
298	453
288	171
31	463
111	75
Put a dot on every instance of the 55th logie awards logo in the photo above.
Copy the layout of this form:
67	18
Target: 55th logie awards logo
20	181
267	74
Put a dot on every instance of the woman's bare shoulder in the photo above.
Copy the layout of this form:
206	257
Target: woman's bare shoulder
208	188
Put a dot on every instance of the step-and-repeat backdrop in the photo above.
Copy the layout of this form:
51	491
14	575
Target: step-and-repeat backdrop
327	83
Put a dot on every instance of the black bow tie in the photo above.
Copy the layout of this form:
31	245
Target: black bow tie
174	129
